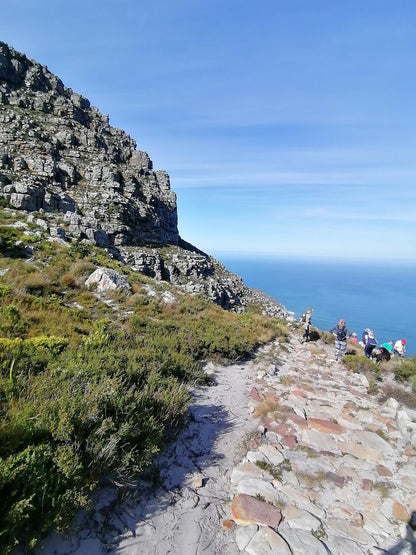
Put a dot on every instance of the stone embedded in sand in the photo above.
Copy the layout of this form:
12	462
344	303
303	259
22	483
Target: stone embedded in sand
298	420
400	512
272	398
360	451
343	528
299	393
319	441
289	441
371	439
246	469
256	394
367	484
198	482
302	541
282	429
255	487
383	471
273	455
244	535
299	519
247	510
267	540
326	426
336	479
228	524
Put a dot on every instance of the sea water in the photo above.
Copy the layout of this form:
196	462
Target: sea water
367	295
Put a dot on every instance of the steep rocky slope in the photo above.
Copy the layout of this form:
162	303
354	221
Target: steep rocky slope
60	157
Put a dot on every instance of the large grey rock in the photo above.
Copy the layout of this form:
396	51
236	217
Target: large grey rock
105	279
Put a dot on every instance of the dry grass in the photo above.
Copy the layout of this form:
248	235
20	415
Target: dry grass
246	444
312	480
399	392
268	407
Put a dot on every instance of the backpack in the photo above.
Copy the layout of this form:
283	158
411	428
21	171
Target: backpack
342	333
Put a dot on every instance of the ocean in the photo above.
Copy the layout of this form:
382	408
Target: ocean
367	295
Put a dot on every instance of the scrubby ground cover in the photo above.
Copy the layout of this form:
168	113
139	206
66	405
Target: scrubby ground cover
88	393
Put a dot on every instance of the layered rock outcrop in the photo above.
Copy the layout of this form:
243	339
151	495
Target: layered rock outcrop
60	156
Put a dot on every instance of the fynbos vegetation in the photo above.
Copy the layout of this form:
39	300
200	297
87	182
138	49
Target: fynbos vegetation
90	387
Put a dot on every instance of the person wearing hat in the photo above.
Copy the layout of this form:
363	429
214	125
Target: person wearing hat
371	343
364	338
354	338
341	333
306	319
400	347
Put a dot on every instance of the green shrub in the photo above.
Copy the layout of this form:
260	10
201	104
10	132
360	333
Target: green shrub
4	290
78	249
361	364
41	488
85	396
405	371
11	322
18	357
328	338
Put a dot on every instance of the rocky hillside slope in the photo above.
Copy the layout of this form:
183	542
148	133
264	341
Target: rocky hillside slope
60	157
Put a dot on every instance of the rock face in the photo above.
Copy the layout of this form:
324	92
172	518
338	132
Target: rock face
60	156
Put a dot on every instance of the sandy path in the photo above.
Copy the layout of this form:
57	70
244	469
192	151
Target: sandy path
181	516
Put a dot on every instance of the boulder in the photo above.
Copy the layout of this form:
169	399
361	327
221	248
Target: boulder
105	279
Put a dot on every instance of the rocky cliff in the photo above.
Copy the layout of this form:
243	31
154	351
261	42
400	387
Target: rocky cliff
59	154
60	157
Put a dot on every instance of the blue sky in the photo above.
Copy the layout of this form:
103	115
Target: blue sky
287	127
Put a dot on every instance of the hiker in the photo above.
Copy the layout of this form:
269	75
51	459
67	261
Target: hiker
370	344
305	319
341	332
384	352
354	338
388	345
364	337
400	347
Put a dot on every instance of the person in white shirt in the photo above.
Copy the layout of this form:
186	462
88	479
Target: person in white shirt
400	347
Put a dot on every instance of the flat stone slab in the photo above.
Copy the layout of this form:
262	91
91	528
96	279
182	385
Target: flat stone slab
253	487
299	519
326	426
247	510
302	542
248	469
343	546
372	439
343	528
317	440
360	451
273	455
266	541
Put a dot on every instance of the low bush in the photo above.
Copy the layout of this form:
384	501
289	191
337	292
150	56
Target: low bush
405	371
328	338
361	364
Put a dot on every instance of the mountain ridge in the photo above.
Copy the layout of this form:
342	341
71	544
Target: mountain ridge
60	157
